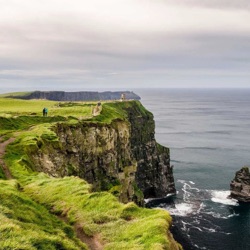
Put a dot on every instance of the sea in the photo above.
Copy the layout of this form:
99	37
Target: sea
208	133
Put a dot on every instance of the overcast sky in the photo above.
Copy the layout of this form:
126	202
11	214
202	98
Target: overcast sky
85	44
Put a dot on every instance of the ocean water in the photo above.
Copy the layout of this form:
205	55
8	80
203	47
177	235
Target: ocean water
208	133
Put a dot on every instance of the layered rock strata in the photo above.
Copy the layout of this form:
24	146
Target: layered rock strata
240	185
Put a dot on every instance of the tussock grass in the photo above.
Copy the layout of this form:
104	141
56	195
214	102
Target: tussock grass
28	225
120	226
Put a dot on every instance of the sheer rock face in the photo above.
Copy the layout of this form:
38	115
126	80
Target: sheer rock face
122	157
154	175
98	153
240	185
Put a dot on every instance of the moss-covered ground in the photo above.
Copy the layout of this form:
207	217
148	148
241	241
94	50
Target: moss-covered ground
31	203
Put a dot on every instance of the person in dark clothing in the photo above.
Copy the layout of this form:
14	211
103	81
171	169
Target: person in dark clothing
44	111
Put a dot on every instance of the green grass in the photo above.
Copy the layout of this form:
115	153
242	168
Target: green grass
16	107
120	226
13	94
2	175
28	225
32	110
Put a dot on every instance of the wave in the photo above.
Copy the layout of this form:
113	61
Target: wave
220	216
195	200
181	209
223	198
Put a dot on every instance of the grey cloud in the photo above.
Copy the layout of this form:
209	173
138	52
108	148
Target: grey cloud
65	48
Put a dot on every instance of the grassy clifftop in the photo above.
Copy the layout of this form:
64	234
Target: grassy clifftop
42	212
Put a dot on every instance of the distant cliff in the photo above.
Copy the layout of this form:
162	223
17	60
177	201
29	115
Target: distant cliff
75	96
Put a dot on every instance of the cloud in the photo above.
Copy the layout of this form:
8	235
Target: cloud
116	41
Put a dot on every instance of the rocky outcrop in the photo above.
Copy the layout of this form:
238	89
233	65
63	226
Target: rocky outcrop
154	175
240	185
122	156
98	153
76	96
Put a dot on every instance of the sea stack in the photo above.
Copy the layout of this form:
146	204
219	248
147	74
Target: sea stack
240	185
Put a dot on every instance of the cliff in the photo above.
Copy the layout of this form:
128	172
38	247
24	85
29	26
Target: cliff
240	185
119	155
47	206
74	96
154	174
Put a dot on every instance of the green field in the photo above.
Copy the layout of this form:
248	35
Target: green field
17	107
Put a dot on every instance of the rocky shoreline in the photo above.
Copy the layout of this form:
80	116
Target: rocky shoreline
240	185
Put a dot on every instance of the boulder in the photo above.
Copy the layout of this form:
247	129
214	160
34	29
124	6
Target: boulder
240	185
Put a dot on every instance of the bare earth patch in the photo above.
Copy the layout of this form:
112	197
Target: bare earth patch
3	145
93	242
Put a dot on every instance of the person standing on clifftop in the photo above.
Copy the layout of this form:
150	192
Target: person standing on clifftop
44	111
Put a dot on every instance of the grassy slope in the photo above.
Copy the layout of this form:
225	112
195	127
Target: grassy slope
119	226
27	225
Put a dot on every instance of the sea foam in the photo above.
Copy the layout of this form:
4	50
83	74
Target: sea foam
222	197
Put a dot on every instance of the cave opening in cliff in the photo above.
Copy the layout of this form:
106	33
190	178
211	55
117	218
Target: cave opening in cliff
149	193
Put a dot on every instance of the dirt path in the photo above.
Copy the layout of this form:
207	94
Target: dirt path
93	242
3	145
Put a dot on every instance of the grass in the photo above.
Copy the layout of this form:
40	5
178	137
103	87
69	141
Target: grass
29	203
120	226
28	225
119	111
13	94
2	175
16	107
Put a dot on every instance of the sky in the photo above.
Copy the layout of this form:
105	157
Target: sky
124	44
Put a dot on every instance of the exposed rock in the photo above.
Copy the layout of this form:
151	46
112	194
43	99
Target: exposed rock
122	157
240	185
77	96
154	175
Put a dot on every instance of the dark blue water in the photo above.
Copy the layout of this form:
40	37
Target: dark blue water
208	133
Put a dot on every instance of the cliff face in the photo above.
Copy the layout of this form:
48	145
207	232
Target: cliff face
154	174
122	156
240	185
98	153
